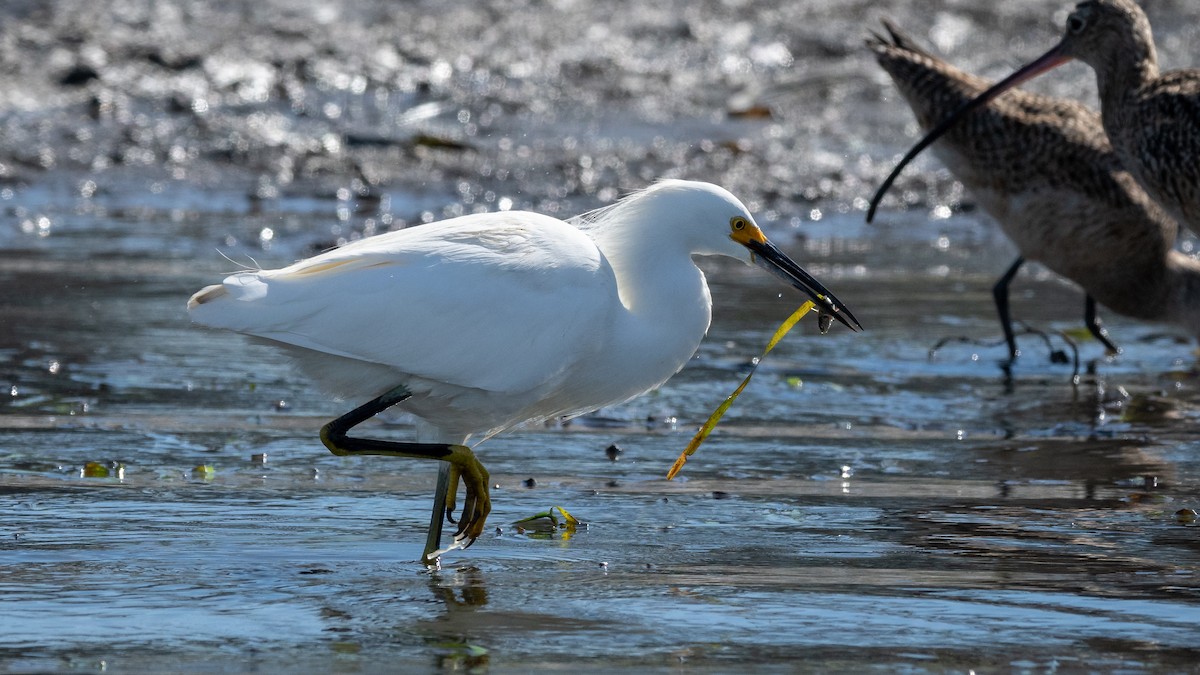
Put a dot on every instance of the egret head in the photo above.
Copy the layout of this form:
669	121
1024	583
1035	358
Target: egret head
708	220
704	219
745	233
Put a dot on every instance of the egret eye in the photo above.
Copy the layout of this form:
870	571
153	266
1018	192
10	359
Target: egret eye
738	223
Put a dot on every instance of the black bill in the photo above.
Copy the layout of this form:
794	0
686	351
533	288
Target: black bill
770	258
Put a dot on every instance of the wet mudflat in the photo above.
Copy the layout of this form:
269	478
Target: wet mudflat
863	505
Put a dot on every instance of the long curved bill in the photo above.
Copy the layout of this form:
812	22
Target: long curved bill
1047	61
769	257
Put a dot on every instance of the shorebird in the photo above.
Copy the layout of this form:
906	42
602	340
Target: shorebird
1152	118
1043	168
480	323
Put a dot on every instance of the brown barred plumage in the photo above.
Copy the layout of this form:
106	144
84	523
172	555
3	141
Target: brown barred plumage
1152	118
1045	170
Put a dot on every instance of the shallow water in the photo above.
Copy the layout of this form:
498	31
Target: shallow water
863	506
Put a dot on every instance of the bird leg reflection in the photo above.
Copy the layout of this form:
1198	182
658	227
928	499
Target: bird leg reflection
1056	355
461	459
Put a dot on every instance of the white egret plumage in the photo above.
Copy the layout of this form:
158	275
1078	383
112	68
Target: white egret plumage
486	321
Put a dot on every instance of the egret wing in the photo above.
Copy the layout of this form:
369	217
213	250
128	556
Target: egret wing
501	302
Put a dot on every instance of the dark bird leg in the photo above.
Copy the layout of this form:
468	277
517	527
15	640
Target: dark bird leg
1093	325
1000	293
461	459
441	513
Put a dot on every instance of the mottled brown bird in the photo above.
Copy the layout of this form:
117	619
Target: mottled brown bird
1044	169
1152	118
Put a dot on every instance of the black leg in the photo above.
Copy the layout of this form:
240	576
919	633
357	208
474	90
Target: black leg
1093	325
1000	293
439	514
461	459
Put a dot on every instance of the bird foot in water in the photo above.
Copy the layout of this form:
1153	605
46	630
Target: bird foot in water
478	502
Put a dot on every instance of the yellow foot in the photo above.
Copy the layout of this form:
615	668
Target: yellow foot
478	503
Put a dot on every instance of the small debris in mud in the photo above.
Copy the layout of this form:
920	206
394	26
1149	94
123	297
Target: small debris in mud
103	470
259	458
79	75
530	483
94	470
555	518
756	111
438	142
613	452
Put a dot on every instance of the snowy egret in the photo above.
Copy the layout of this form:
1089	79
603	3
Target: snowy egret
486	321
1152	118
1044	169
